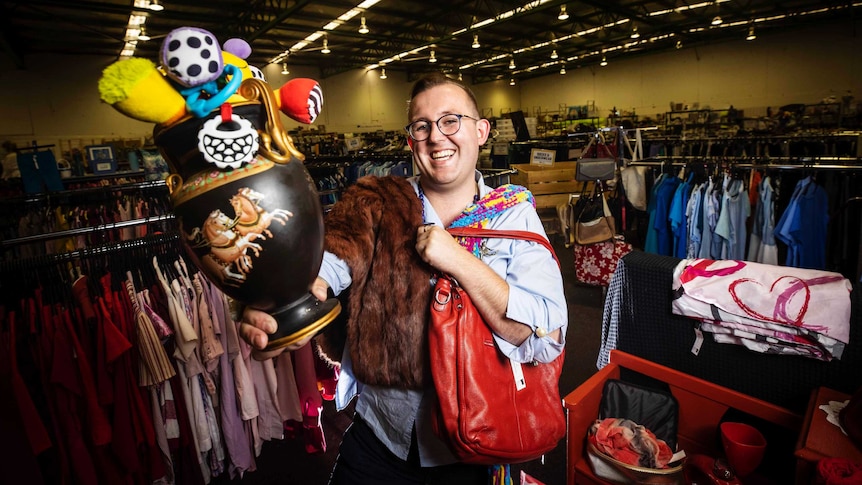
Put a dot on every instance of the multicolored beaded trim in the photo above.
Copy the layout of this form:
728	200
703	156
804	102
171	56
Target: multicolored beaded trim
483	210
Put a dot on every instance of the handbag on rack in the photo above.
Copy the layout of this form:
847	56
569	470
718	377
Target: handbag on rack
595	222
588	170
491	410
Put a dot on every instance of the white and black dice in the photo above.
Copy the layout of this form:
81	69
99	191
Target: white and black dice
192	56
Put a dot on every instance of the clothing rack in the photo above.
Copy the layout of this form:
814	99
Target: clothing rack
84	230
803	163
148	241
32	146
47	196
753	137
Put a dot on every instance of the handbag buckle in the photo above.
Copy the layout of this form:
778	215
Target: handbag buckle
445	294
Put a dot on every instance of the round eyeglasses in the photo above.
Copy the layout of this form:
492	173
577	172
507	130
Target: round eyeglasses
447	124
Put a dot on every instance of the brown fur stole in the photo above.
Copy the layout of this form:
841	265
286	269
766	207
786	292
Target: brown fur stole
373	229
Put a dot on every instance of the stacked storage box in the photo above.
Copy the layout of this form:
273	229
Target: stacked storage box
551	186
505	130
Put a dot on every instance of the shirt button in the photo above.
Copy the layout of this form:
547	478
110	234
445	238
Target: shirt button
541	332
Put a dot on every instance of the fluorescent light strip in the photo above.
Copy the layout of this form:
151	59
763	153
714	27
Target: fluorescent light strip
503	16
331	25
651	39
684	8
582	33
133	29
594	53
524	8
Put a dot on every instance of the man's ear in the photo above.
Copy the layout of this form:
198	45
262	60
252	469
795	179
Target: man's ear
483	127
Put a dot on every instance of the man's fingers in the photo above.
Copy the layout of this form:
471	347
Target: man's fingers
253	336
319	289
260	320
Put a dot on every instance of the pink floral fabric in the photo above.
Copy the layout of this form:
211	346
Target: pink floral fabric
596	263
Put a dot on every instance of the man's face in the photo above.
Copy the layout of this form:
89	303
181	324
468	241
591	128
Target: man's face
447	160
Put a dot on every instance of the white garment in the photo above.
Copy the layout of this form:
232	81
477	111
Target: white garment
782	306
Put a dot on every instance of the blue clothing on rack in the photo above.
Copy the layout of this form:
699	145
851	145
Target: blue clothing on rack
664	233
39	171
651	240
678	219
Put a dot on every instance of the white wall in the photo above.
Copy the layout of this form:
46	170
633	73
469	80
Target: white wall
56	97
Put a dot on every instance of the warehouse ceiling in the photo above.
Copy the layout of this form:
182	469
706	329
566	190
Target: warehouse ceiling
516	39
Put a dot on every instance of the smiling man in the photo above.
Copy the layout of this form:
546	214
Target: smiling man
385	239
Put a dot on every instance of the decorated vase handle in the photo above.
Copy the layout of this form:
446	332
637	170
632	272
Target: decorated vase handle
174	182
284	148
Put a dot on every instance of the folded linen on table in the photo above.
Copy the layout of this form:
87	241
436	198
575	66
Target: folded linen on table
767	308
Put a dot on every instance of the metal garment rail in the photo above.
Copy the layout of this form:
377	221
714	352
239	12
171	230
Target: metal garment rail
773	163
84	230
137	186
148	241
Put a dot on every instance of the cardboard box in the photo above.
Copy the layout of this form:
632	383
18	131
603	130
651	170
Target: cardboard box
551	185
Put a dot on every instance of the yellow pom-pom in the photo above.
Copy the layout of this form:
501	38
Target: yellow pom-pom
137	89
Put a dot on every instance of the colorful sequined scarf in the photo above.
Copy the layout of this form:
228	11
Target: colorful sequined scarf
488	207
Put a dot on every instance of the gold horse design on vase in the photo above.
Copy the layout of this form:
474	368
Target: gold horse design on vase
229	239
252	219
228	249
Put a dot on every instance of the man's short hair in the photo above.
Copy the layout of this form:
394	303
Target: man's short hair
435	79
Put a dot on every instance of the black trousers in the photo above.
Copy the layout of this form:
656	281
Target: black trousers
364	460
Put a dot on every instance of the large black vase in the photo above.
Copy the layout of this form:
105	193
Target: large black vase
256	231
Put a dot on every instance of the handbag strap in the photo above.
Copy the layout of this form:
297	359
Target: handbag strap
482	232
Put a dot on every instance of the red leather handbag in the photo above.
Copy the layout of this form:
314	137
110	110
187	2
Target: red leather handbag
491	410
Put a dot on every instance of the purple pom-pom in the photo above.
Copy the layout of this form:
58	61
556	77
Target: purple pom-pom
237	47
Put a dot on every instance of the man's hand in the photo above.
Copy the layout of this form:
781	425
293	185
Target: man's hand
256	326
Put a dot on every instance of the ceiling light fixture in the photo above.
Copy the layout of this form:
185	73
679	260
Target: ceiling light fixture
512	82
460	77
284	69
363	29
563	69
512	63
433	58
144	37
563	14
155	6
751	35
554	54
635	33
679	44
383	73
604	61
717	19
476	44
325	49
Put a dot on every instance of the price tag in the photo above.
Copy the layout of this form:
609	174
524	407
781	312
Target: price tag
518	372
698	341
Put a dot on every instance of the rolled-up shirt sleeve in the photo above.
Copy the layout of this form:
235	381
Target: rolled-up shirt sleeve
335	272
536	295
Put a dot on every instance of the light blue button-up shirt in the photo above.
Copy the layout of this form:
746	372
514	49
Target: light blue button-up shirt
536	298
